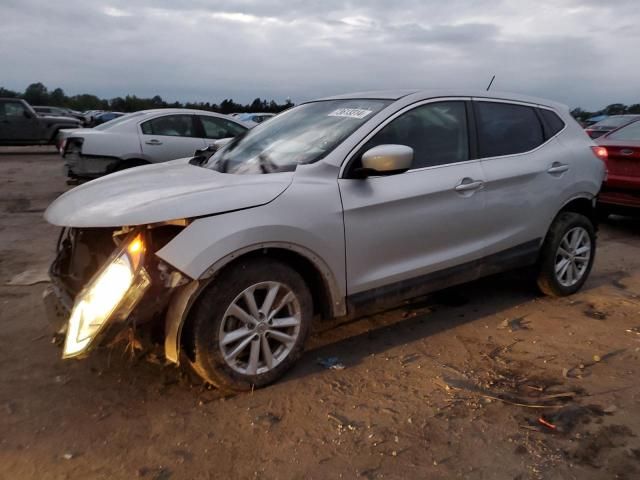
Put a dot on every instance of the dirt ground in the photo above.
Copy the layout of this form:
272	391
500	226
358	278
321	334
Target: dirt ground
486	381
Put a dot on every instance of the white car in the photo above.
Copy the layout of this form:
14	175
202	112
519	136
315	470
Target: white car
140	138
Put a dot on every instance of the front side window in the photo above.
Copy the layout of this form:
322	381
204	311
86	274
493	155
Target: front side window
14	109
630	132
437	132
216	128
301	135
507	129
170	125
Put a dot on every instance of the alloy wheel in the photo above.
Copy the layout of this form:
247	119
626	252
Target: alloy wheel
260	328
573	256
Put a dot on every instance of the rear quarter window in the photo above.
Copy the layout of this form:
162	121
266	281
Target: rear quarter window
507	129
552	122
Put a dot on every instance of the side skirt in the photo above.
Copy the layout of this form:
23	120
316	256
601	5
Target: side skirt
389	296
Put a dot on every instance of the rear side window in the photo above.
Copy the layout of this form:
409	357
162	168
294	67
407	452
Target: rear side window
507	129
552	122
170	125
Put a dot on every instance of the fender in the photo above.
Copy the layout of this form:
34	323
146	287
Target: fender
185	296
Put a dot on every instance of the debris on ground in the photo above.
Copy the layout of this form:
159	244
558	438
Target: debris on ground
29	277
515	324
635	330
266	419
567	418
553	400
591	312
580	370
343	422
154	473
331	363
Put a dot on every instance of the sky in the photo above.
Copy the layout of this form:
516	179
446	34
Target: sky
580	52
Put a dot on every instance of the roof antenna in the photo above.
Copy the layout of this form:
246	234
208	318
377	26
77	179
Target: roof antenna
491	82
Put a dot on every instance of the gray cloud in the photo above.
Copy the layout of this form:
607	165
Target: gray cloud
580	52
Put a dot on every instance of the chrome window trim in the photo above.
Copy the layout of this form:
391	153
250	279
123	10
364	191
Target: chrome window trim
407	108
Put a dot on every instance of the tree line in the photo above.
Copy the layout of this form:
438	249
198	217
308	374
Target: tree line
38	94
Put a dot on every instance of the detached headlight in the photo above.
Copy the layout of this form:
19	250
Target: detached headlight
111	294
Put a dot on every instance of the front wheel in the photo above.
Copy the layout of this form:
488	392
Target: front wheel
567	255
250	325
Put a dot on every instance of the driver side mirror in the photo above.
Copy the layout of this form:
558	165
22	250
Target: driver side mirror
385	160
27	114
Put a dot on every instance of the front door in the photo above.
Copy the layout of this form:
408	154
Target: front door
170	137
415	231
19	124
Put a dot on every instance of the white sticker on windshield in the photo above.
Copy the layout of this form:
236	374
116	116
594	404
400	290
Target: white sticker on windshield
358	113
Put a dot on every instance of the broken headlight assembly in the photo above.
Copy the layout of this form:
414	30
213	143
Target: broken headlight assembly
110	295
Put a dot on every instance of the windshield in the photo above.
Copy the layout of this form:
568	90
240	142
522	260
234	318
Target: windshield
304	134
117	121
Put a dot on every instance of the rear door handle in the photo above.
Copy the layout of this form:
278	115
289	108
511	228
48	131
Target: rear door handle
153	142
468	184
558	167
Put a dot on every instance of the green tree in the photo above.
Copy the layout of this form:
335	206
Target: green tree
615	109
58	98
4	92
635	108
36	94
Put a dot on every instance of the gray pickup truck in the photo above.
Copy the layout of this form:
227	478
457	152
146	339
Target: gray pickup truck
21	125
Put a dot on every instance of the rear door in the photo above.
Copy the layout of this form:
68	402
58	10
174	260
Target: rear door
170	137
526	172
414	231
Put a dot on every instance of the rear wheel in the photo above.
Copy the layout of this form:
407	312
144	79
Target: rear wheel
567	255
250	325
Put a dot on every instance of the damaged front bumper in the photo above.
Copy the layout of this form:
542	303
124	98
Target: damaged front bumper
106	299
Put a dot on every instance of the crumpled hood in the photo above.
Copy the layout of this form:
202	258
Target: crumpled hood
157	193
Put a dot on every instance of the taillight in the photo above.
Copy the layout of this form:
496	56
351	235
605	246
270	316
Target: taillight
600	152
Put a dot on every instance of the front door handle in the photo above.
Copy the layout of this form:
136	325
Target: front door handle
153	142
558	167
468	184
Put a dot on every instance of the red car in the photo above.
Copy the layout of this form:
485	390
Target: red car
607	125
621	188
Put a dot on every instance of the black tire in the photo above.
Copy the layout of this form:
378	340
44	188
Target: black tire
602	213
208	313
548	283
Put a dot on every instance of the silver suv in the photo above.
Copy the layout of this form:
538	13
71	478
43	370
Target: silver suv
337	207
